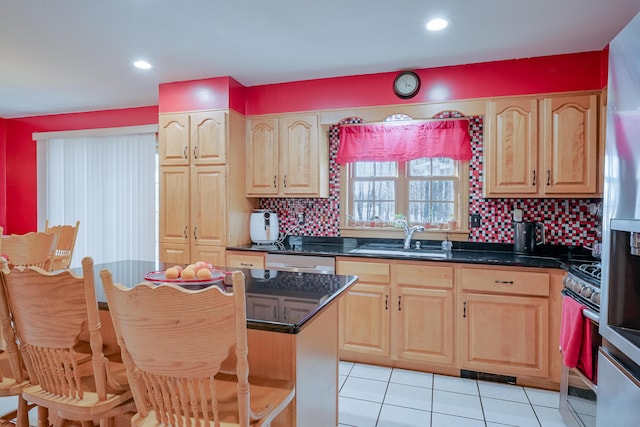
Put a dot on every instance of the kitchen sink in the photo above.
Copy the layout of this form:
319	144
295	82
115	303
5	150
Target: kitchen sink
414	253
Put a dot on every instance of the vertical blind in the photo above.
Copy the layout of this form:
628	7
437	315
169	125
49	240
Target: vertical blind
108	183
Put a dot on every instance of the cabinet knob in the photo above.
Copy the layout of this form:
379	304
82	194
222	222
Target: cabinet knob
275	181
548	176
504	282
185	153
195	152
386	302
399	302
195	233
534	178
285	181
186	229
464	309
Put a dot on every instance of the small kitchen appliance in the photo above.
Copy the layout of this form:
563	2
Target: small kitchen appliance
528	237
264	228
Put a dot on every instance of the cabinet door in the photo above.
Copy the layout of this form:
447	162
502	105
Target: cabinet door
364	320
424	324
216	255
174	202
504	334
262	157
208	205
174	253
208	138
299	161
570	144
173	139
511	147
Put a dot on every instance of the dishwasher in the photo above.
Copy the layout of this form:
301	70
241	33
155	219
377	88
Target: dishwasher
300	263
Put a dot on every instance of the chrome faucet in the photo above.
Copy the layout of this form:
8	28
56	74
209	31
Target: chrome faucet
408	233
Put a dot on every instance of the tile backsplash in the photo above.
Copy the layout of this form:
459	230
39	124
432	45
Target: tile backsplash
566	221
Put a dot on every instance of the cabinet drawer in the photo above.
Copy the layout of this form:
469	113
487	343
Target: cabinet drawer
424	275
370	272
504	281
244	260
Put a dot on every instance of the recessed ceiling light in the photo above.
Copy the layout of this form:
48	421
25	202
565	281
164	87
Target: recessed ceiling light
143	65
437	24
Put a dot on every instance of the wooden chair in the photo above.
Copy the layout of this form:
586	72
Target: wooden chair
31	249
66	242
13	378
173	343
49	311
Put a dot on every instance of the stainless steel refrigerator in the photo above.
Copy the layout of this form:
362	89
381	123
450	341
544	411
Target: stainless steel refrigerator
618	402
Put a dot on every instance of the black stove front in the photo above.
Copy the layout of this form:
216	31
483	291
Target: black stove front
582	283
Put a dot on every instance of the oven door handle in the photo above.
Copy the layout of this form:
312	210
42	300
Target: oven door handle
591	315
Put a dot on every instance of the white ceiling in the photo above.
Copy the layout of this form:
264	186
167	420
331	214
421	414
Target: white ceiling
60	56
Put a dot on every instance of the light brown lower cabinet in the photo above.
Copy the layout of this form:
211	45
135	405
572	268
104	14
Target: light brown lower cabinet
449	317
397	311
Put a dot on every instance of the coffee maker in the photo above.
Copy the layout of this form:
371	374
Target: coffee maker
528	237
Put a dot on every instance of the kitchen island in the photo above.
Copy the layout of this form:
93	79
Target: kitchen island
292	321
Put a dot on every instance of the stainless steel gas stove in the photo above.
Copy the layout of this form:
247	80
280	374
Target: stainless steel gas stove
582	283
578	385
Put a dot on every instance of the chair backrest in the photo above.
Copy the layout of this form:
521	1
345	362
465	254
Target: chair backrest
50	309
31	249
173	343
66	242
8	335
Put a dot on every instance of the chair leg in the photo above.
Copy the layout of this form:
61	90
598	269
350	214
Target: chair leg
22	418
107	422
43	416
59	422
88	423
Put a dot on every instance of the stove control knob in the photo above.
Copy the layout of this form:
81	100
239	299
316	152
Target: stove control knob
596	298
586	292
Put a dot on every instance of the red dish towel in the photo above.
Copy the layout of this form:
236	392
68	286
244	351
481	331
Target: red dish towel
572	330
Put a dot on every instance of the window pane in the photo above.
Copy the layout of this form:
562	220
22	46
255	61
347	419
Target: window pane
419	212
374	169
420	167
441	212
443	167
443	190
419	190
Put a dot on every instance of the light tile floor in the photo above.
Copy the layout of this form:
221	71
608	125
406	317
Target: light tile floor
375	396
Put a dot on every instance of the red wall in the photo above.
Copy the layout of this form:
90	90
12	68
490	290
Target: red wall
3	174
560	73
582	71
20	161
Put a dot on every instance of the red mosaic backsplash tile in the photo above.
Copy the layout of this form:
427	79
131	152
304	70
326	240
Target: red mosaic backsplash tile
566	221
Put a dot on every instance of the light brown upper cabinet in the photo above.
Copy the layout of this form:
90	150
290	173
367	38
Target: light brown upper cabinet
542	147
202	205
286	157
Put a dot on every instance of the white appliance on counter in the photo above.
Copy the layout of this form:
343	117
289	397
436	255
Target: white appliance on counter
264	228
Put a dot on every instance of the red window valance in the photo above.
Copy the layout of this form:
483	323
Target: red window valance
402	141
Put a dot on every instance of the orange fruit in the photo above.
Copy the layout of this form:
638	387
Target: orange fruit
171	273
204	273
188	273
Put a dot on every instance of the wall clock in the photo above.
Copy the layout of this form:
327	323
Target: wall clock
406	84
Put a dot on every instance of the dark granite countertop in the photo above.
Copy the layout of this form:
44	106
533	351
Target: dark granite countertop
294	298
549	256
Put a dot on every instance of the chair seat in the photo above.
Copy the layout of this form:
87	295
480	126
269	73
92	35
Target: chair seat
8	384
87	408
268	399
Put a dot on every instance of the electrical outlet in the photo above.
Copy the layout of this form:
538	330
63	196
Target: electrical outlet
475	220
